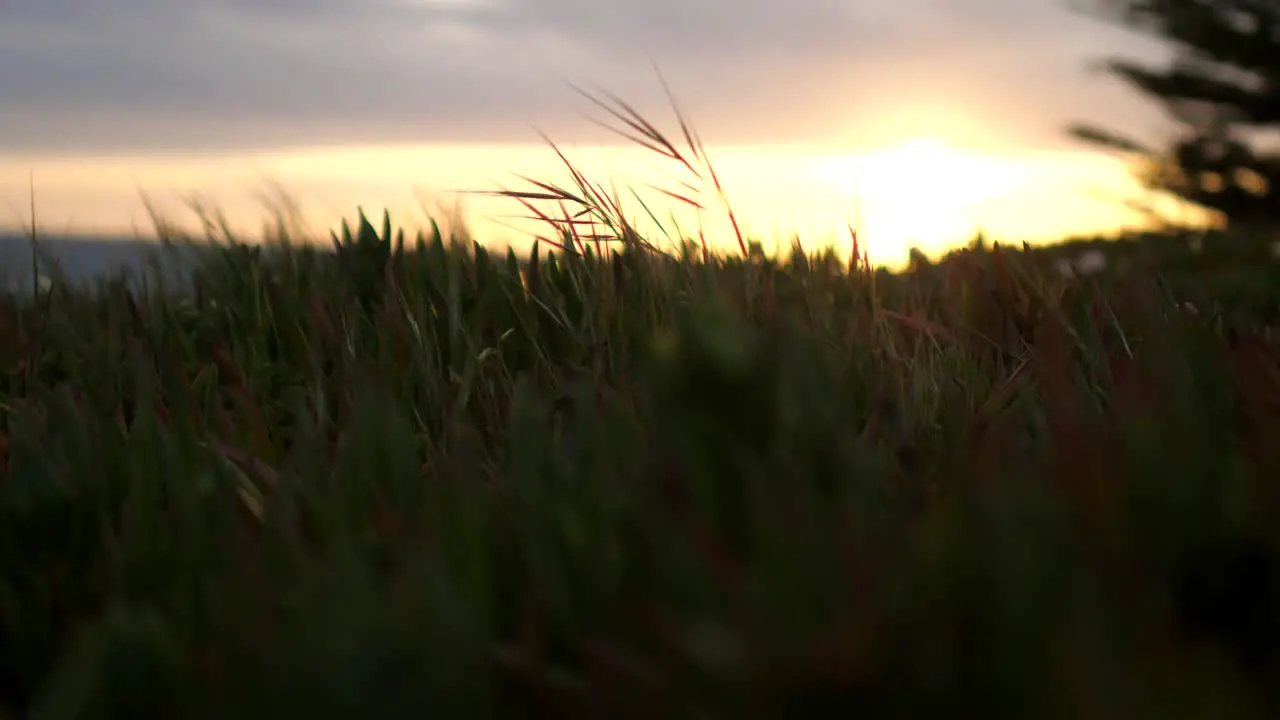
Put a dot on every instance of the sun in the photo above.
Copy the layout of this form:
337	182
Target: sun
920	151
924	167
924	193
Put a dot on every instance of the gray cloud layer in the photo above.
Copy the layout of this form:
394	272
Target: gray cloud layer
137	75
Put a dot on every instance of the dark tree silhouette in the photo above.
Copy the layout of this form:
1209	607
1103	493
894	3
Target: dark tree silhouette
1222	86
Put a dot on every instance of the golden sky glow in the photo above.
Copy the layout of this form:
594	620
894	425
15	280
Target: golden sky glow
919	192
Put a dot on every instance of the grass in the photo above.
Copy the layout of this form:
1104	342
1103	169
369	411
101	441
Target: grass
411	477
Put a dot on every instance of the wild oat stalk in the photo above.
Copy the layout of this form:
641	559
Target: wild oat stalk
597	204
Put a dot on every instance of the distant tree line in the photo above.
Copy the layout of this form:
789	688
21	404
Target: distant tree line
1222	88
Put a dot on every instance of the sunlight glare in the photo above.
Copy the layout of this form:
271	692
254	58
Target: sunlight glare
925	194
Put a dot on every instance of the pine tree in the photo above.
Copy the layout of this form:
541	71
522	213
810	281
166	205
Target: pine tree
1222	87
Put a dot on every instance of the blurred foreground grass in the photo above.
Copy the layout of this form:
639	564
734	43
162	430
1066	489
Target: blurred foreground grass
413	478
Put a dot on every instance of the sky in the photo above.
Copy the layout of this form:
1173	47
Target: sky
814	110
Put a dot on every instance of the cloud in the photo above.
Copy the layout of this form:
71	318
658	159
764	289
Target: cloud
139	75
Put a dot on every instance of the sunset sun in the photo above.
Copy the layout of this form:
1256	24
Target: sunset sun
923	192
